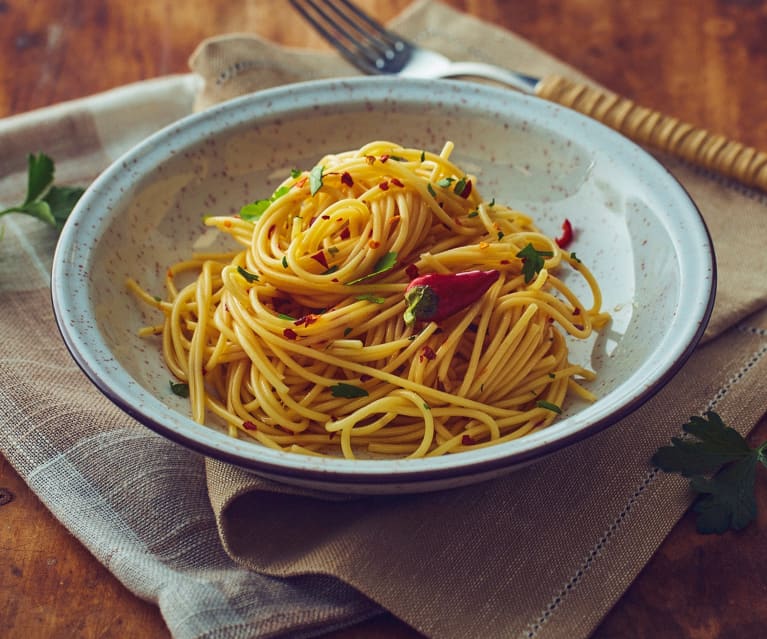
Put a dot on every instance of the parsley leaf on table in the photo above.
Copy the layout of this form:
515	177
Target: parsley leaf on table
726	499
47	202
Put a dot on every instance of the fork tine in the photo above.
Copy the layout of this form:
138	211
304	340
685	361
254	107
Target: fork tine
360	39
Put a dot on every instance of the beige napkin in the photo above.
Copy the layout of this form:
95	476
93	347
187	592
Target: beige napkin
546	551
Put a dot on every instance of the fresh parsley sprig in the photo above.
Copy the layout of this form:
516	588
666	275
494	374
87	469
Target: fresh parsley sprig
47	202
727	498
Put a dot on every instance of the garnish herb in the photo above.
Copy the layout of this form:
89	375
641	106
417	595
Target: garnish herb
45	201
179	388
437	296
541	403
285	316
385	263
250	277
727	499
253	211
295	173
445	182
574	258
315	179
348	391
532	261
347	330
284	261
375	299
431	190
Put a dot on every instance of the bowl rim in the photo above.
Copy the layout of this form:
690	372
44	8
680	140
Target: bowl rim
164	144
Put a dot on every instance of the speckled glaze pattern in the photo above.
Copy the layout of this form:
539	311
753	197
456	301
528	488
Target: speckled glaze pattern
636	228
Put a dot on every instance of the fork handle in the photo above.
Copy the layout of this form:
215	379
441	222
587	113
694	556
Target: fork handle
652	128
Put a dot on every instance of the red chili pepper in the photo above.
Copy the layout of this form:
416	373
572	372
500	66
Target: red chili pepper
567	235
437	296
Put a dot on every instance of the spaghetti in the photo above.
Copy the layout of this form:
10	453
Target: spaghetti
299	339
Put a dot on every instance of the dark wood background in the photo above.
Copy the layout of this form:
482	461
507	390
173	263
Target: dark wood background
701	60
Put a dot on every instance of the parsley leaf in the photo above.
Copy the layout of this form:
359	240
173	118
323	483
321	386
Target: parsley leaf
385	263
47	202
315	179
179	388
348	391
253	211
250	277
532	261
549	406
727	499
375	299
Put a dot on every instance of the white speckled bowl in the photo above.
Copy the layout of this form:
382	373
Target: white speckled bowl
638	230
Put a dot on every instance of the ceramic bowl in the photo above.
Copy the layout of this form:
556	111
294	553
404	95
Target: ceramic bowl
644	238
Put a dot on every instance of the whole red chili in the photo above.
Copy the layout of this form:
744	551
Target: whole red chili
437	296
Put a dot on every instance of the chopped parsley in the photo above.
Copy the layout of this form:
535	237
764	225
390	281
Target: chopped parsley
532	261
179	388
315	179
548	406
385	263
375	299
250	277
348	391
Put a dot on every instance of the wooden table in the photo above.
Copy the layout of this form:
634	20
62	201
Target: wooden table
702	60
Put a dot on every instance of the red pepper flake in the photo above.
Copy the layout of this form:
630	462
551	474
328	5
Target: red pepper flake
248	425
169	273
384	186
228	224
320	257
306	320
346	178
370	159
325	217
396	182
576	311
427	353
345	233
302	181
467	440
335	279
563	241
412	271
466	190
578	326
384	157
504	261
290	333
374	244
365	377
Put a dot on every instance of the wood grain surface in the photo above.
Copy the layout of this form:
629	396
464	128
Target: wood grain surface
704	61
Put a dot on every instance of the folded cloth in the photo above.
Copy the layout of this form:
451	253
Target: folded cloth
541	553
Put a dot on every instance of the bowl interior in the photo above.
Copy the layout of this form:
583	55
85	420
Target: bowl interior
635	228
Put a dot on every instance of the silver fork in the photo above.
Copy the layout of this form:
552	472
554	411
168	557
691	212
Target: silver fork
375	50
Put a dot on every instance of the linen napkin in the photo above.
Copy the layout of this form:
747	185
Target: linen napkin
541	553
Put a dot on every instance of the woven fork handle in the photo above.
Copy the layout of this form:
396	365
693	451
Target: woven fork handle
645	126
